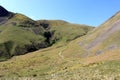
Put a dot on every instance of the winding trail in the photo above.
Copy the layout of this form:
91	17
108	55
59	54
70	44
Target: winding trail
60	54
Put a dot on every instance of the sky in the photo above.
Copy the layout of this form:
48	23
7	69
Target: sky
90	12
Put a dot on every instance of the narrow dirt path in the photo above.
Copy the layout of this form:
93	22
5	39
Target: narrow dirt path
60	54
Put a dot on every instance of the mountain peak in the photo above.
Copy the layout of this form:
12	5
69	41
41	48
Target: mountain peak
3	12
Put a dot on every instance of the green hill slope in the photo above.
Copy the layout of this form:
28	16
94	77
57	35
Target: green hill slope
20	34
63	31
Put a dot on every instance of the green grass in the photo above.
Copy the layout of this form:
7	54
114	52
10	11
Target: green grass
59	71
13	37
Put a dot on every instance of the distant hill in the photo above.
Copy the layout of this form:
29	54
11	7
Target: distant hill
19	34
64	31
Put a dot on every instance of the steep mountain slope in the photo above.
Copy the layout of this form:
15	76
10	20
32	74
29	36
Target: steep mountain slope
20	34
104	38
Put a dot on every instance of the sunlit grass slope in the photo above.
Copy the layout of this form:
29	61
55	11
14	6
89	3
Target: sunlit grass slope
104	38
60	63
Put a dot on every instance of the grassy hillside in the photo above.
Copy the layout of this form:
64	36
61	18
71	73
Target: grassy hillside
14	43
104	38
63	31
19	34
18	37
55	63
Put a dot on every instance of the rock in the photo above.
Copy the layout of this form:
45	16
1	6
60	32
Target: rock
3	12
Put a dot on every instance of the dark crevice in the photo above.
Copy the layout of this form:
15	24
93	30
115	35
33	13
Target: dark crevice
48	36
31	49
44	25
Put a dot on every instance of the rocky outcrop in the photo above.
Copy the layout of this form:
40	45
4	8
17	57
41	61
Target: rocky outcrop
3	12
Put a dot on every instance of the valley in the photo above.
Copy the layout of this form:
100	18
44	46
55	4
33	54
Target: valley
57	49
